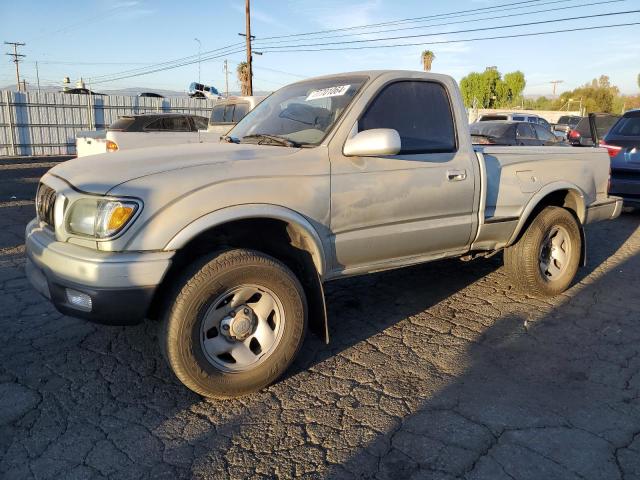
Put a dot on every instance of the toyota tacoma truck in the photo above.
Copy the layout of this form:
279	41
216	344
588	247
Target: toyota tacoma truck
229	244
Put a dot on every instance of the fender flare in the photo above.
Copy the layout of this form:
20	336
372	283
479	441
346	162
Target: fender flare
307	237
535	200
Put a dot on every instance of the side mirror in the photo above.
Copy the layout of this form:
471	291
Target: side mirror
377	141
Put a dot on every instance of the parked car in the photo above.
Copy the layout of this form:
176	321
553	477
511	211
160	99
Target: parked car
229	111
581	135
512	133
515	117
150	95
144	130
230	243
565	124
623	145
82	91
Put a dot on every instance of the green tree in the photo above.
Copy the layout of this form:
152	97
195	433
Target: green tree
596	96
243	77
489	90
515	82
427	57
474	93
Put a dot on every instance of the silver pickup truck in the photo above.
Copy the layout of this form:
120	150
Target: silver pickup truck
230	244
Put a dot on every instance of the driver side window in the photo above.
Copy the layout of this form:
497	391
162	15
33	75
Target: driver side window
419	111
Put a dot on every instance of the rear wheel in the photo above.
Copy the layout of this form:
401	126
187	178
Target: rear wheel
545	259
235	325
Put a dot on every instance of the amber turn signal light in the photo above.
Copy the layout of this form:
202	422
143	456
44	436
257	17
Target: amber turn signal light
112	146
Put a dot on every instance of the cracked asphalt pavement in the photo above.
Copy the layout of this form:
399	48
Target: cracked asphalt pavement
439	371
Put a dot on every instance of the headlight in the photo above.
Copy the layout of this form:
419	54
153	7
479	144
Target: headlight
99	218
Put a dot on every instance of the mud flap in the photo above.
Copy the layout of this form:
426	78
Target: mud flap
583	250
318	322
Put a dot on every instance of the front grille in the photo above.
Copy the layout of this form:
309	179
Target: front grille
45	202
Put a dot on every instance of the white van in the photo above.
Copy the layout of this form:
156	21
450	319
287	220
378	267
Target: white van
229	111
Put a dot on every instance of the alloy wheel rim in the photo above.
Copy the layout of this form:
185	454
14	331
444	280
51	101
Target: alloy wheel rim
555	253
241	328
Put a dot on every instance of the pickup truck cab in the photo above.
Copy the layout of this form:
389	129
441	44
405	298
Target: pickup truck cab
230	244
144	130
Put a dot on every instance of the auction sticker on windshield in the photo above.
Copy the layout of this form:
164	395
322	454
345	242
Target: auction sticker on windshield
328	92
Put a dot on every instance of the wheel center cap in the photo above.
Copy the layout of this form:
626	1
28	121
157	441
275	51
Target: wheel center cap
240	326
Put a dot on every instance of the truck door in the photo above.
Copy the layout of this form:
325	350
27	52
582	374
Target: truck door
413	204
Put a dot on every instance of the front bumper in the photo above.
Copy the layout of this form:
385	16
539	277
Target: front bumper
121	285
604	210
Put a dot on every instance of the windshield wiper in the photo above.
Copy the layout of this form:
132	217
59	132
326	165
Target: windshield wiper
273	138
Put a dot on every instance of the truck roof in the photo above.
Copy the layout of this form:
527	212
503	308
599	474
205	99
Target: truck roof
378	73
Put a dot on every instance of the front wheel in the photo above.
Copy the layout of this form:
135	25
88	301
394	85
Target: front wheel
545	259
236	324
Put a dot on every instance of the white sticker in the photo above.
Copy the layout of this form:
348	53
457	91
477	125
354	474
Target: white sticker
328	92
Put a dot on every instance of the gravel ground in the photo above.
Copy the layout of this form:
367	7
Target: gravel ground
439	371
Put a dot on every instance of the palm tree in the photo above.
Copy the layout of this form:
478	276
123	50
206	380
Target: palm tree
243	77
427	58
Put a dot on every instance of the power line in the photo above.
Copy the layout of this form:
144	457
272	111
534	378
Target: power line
85	22
180	61
405	20
57	62
402	37
229	49
161	69
532	34
280	71
518	14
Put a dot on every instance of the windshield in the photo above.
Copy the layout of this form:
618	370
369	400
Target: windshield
627	126
488	118
566	120
302	113
490	129
121	124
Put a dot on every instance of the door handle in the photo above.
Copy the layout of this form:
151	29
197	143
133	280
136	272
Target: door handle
456	175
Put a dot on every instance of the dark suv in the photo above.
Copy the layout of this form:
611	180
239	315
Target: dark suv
623	144
580	136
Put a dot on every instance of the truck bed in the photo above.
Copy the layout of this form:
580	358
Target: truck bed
513	178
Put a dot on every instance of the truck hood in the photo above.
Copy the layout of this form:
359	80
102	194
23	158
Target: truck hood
100	173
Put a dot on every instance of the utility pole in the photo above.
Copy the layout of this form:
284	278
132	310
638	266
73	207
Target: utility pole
249	59
17	58
199	50
554	83
38	77
226	79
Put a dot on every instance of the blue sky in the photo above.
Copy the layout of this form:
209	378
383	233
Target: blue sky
90	38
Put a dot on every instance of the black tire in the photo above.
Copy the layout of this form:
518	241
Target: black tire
522	260
198	287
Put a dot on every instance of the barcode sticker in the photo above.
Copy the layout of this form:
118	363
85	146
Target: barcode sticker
328	92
